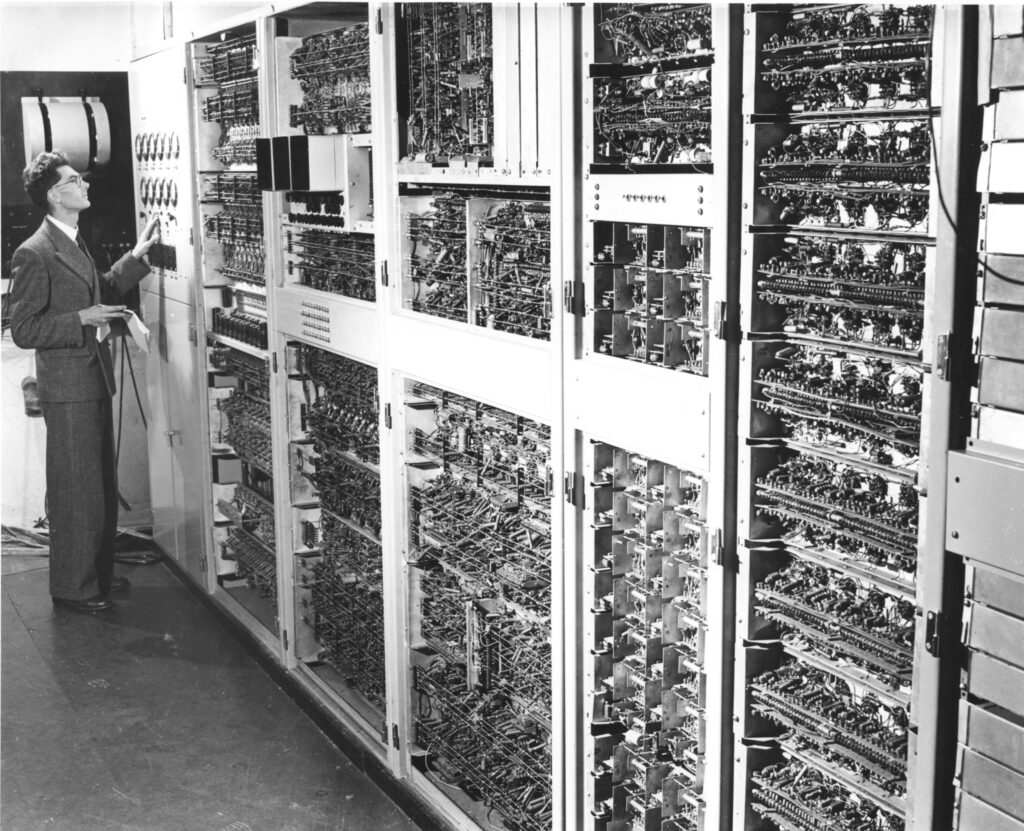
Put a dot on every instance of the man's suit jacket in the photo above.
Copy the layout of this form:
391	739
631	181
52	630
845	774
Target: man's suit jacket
53	280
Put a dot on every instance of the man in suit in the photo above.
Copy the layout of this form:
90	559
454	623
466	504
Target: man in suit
59	301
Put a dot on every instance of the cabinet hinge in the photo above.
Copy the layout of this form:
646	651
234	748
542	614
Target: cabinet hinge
273	361
190	242
380	24
384	730
284	637
384	272
394	737
715	546
570	299
933	624
192	335
719	319
387	416
942	356
573	486
202	564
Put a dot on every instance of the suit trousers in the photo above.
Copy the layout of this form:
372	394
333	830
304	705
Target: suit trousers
81	496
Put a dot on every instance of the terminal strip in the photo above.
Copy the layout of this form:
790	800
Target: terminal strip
333	71
843	156
342	264
659	119
797	796
850	57
641	33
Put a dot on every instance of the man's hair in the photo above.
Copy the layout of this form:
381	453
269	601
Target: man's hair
41	175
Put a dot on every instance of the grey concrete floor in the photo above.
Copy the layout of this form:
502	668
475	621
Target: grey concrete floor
152	718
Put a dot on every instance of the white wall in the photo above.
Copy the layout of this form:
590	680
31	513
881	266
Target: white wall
84	36
187	19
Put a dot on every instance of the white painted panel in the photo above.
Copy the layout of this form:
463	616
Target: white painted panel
159	115
649	197
502	370
665	415
1001	230
332	322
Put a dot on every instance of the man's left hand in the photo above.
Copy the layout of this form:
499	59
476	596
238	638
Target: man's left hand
149	235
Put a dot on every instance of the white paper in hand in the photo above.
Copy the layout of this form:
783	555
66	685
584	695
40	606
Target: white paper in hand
140	333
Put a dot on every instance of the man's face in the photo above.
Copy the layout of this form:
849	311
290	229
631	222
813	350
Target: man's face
72	192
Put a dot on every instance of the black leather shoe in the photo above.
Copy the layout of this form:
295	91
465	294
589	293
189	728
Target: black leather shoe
92	604
137	558
119	584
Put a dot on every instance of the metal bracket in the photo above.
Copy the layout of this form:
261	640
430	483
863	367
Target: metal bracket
933	633
715	546
387	416
719	319
380	24
394	737
569	298
573	489
192	335
384	272
284	636
273	361
942	356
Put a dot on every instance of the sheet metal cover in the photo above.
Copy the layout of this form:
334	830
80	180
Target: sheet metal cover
985	513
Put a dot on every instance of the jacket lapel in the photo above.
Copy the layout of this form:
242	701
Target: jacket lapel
69	255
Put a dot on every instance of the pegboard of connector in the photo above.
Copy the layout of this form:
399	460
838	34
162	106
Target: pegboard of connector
648	602
480	546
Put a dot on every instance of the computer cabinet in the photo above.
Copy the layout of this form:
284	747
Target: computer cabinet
504	326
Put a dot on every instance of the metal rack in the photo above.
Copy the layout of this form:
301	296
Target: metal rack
571	402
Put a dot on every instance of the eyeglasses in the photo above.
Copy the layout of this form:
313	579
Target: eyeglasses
73	180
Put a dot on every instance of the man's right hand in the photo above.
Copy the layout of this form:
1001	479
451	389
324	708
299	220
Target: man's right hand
100	315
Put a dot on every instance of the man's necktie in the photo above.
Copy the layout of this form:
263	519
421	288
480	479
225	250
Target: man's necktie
81	245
